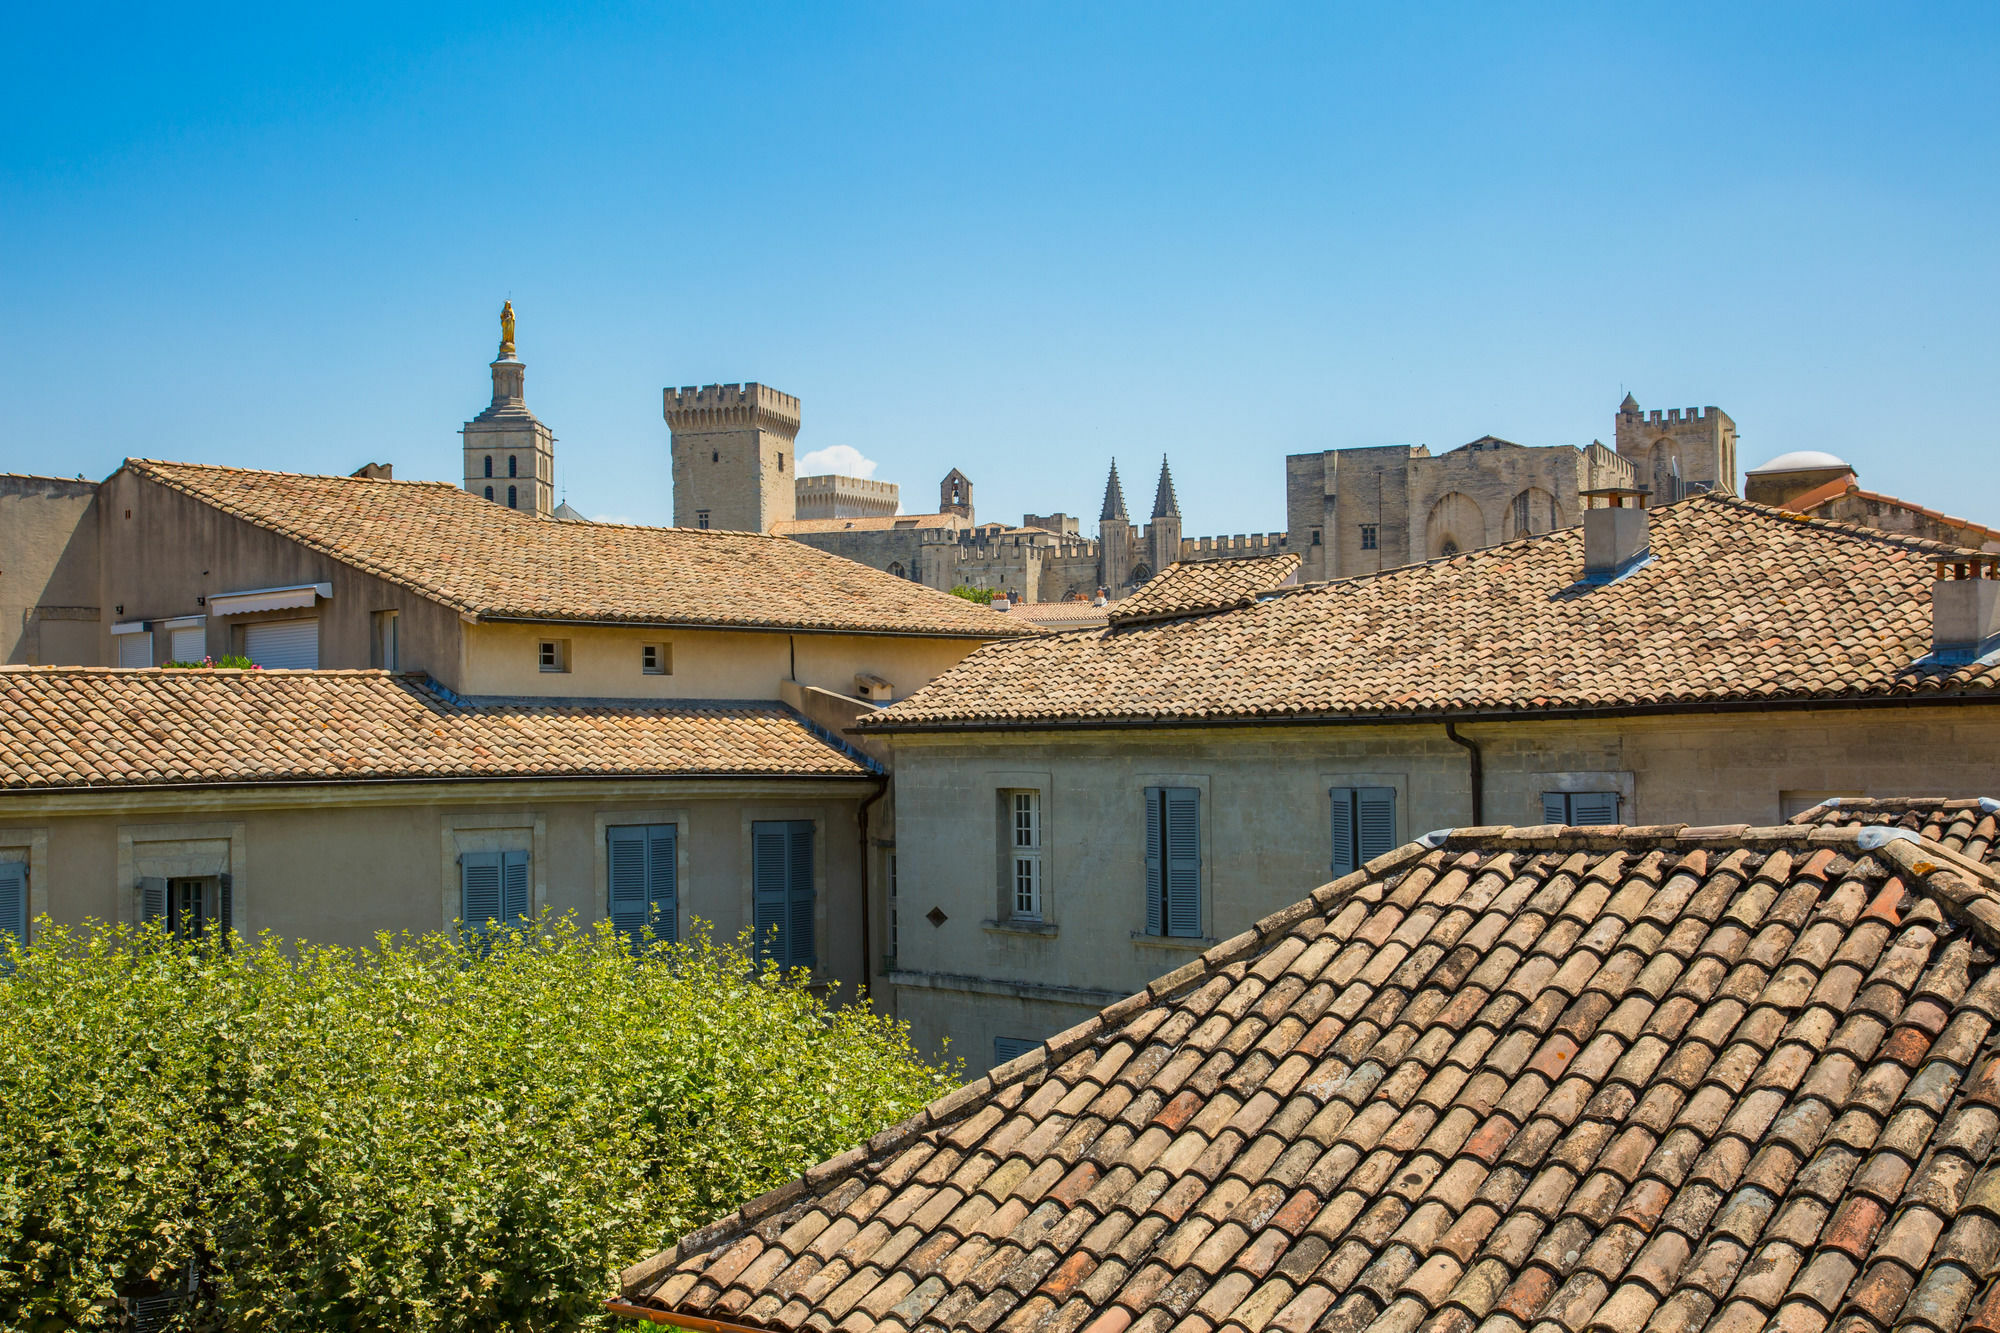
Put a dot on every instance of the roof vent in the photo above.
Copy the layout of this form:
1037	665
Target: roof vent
873	688
1615	537
1965	609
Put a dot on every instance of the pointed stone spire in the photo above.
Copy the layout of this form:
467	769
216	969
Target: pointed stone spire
1630	404
1164	502
1114	497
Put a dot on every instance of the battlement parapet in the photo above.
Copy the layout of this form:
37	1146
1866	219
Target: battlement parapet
1238	547
832	483
1673	416
704	409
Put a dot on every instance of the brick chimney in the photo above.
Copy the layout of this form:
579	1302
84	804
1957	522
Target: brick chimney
1965	608
1615	536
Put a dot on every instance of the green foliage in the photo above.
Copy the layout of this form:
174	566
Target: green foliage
414	1136
983	596
229	661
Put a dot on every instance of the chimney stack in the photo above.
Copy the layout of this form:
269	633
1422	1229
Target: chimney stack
1965	608
1615	536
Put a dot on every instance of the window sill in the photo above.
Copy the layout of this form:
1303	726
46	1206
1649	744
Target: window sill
1191	943
1044	929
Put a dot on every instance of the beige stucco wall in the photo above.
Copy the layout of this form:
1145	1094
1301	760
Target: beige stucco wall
48	572
163	550
336	865
1266	825
604	661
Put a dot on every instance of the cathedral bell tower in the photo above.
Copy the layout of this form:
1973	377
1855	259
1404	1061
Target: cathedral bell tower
510	456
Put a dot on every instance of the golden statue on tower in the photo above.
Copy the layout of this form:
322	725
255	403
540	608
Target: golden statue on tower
507	329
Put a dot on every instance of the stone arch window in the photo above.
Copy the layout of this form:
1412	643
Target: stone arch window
489	489
715	455
896	568
1141	572
513	466
1455	524
1533	513
512	499
489	465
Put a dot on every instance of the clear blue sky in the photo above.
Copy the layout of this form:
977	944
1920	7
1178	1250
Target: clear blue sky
1016	239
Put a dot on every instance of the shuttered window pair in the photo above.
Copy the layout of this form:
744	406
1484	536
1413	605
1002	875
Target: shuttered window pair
644	889
781	875
1173	862
186	908
493	890
1579	807
13	903
1364	826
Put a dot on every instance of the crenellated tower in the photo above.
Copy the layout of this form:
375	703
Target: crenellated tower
1676	453
733	450
510	456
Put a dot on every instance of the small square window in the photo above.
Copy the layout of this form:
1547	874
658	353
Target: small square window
657	659
1368	537
701	519
555	654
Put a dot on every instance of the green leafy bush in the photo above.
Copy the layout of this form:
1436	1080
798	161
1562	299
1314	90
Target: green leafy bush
413	1136
983	596
228	661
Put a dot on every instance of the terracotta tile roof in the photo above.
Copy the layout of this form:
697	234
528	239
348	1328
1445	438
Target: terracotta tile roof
1971	826
1739	602
101	727
1064	615
1534	1078
488	560
866	523
1842	489
1187	588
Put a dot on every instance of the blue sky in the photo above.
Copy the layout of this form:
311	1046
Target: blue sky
1017	239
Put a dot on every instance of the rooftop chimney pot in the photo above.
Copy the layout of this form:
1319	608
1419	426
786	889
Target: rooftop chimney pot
1616	534
1965	609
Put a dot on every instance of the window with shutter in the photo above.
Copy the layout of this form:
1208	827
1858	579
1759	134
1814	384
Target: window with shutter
783	903
1364	826
479	890
1012	1048
1173	862
153	901
291	645
225	908
1156	870
516	901
1023	813
14	902
643	866
1580	808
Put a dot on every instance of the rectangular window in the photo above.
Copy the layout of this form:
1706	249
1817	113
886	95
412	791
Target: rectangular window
135	649
781	882
1579	808
555	655
1368	536
13	904
1173	862
701	519
1012	1048
383	652
1364	826
656	659
1024	855
188	908
644	870
283	644
188	643
493	889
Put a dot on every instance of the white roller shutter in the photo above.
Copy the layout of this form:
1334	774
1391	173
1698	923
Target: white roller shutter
135	650
189	644
279	644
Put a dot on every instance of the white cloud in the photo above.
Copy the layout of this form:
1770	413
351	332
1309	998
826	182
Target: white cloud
841	460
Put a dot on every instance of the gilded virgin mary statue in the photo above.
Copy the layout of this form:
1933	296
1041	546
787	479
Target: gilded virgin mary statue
507	326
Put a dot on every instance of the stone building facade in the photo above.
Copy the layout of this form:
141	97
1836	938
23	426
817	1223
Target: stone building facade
832	496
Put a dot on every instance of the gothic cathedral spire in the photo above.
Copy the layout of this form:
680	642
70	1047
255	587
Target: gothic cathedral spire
1165	504
1114	497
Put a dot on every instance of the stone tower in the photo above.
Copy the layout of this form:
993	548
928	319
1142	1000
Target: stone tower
1163	534
1676	454
510	457
955	495
733	464
1114	536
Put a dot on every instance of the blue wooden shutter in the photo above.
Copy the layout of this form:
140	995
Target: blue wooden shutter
799	901
1010	1048
515	899
14	902
1375	821
626	854
225	905
1344	860
478	889
1183	829
1593	807
1555	808
153	901
663	881
769	845
1156	880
